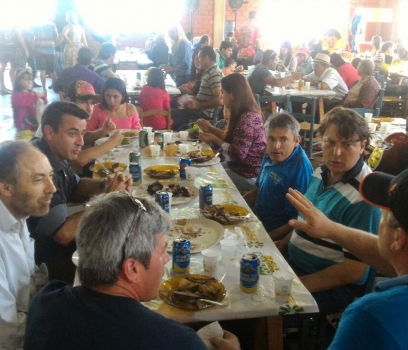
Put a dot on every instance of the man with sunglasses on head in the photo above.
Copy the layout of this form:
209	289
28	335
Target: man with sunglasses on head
122	253
334	276
64	125
261	75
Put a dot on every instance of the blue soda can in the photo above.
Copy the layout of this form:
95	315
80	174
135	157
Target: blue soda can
181	255
162	198
205	195
184	162
134	168
249	273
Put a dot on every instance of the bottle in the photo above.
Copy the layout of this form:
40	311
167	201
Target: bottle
134	168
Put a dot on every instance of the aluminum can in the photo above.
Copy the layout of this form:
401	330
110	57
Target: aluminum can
184	162
249	273
143	138
205	195
162	198
301	84
158	138
181	255
134	168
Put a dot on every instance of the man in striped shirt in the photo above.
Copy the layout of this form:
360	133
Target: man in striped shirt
208	96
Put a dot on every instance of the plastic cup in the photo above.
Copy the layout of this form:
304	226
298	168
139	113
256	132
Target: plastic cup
184	135
191	173
210	261
372	127
148	128
385	126
155	149
183	148
307	84
368	117
228	249
283	285
167	137
282	74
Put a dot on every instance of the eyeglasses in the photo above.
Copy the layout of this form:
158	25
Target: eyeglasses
139	208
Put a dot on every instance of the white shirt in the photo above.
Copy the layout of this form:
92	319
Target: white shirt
332	78
16	278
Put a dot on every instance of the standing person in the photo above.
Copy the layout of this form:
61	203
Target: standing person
373	321
248	41
208	96
106	57
285	165
63	126
331	274
45	37
244	139
26	189
114	106
159	52
24	101
179	66
122	258
13	50
204	41
345	69
287	61
155	96
74	36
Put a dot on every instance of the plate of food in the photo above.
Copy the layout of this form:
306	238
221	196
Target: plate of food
126	141
201	286
226	213
162	172
112	167
212	161
202	233
182	193
194	133
130	133
200	156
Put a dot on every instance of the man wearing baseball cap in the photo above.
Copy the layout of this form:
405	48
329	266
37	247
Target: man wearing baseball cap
377	320
306	67
327	78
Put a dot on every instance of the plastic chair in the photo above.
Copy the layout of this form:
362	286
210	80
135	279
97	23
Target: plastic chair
307	123
150	112
378	106
272	101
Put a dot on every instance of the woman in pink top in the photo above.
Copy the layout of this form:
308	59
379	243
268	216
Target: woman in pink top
155	96
345	69
114	105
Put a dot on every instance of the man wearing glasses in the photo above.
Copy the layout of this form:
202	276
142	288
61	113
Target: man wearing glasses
122	253
63	127
330	273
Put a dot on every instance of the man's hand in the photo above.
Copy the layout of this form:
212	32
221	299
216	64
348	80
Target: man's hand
108	126
116	138
193	104
119	182
166	68
228	342
297	75
240	68
316	223
204	125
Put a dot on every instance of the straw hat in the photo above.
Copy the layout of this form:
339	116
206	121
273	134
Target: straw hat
322	58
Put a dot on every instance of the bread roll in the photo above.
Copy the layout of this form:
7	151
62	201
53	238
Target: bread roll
171	149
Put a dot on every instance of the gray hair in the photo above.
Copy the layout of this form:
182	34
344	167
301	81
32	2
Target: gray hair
10	151
282	121
103	232
366	67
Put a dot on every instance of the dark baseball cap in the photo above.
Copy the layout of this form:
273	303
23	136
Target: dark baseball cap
388	192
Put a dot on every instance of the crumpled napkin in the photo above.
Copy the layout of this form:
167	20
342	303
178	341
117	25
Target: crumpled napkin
209	331
237	235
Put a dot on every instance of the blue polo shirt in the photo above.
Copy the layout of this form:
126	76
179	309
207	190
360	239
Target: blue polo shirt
273	182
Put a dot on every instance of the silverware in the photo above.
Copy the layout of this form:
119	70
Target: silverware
191	295
104	169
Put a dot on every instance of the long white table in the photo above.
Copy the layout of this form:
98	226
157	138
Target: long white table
256	240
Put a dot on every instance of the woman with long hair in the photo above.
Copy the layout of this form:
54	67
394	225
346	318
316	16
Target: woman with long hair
288	61
74	36
179	66
244	138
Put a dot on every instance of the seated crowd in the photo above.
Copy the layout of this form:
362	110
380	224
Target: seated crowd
332	224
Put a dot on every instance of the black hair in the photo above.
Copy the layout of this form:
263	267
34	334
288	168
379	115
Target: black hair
155	78
114	84
209	52
106	50
85	56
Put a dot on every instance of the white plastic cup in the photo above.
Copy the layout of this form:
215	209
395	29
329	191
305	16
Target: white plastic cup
183	148
167	137
228	249
368	117
149	133
307	84
148	128
210	261
283	285
184	135
191	173
282	74
385	126
372	127
155	149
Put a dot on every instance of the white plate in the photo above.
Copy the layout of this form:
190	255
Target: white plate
141	191
104	139
211	233
213	161
75	258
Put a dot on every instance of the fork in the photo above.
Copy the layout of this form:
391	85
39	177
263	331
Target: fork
104	169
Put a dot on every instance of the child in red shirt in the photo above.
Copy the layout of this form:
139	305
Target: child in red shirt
155	96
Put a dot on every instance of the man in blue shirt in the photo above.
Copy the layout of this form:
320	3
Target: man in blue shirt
377	320
284	165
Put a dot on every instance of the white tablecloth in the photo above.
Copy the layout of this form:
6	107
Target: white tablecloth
311	92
